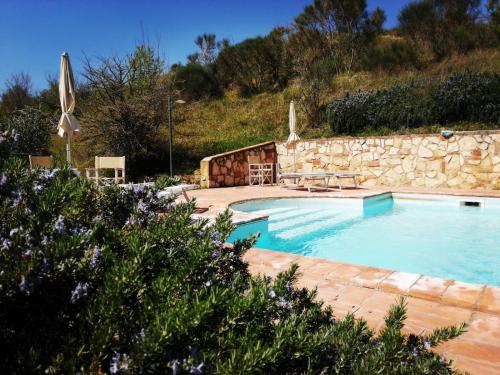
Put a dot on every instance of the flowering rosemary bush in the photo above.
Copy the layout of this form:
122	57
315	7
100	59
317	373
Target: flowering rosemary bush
120	281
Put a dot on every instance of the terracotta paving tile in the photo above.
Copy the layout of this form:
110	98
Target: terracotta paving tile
472	350
428	287
399	282
462	294
475	367
316	267
308	281
345	272
490	300
429	315
330	291
371	277
350	299
483	327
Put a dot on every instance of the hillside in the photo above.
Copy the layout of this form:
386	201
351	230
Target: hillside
209	127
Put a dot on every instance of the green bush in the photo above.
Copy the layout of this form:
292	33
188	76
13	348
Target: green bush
468	97
165	181
462	97
393	108
96	281
33	128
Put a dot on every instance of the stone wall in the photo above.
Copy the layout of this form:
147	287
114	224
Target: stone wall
231	168
467	160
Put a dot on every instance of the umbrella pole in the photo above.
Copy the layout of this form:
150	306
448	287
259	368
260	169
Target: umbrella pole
294	157
68	150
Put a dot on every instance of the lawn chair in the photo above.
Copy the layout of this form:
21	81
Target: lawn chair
41	161
108	162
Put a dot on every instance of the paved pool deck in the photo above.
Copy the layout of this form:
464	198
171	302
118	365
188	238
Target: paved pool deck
368	291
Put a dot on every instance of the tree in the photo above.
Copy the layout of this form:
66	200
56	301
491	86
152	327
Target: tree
256	64
208	49
126	106
442	26
196	81
18	94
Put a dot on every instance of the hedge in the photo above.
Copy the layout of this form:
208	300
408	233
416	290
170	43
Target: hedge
468	96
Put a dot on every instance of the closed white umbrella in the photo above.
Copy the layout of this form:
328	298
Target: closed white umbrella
293	137
68	124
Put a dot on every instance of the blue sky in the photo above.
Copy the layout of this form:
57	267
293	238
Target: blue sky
33	33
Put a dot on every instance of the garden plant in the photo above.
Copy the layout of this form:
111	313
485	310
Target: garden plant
117	281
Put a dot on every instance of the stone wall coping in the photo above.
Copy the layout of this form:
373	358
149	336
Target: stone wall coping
411	135
248	148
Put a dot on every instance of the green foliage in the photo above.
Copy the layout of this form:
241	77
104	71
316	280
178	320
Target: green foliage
462	97
96	281
165	181
33	128
397	54
468	97
196	82
255	65
125	108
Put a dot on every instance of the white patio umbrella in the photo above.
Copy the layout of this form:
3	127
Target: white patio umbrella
68	124
293	137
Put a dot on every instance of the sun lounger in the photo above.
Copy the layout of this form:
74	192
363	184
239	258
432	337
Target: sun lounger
318	176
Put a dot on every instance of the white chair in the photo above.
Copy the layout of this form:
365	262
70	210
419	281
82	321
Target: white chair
259	173
108	162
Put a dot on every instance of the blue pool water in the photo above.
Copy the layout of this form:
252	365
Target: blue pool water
440	237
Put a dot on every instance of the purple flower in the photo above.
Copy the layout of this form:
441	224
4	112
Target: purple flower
415	352
95	257
80	230
59	225
47	174
17	196
4	179
13	231
176	367
139	336
138	188
5	243
115	361
27	253
119	362
427	345
80	292
26	285
197	370
38	188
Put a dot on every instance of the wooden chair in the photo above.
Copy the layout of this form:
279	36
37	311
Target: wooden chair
259	173
107	162
41	161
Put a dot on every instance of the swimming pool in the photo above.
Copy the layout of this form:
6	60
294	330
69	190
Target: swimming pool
444	236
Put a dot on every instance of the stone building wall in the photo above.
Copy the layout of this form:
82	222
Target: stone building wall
231	168
467	160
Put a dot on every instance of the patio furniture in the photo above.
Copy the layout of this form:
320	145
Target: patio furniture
317	176
348	175
107	162
41	161
259	173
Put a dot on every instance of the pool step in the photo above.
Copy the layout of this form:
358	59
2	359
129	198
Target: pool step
301	219
316	226
272	211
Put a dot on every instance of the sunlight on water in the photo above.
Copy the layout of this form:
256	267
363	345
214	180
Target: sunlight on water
435	238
